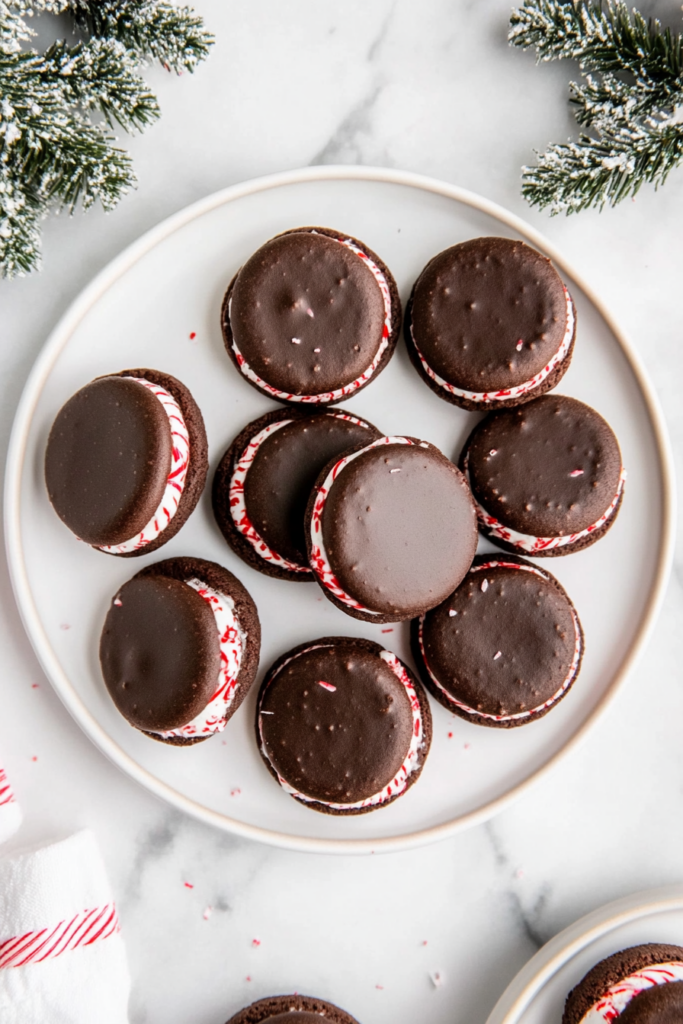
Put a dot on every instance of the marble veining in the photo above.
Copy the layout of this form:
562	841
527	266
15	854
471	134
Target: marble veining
210	921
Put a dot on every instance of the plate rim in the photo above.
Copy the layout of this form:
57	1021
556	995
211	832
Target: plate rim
551	957
59	337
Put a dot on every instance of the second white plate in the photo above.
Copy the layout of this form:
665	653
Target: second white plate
538	993
158	305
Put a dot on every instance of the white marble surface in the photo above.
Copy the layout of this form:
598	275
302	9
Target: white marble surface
430	87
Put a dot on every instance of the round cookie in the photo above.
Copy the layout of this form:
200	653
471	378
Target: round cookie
180	649
504	648
126	461
547	477
312	317
293	1009
391	529
640	985
263	481
490	324
343	725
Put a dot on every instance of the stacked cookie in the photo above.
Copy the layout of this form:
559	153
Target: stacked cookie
385	525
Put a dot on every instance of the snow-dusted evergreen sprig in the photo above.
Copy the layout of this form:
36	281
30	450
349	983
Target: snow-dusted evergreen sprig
52	153
633	86
173	35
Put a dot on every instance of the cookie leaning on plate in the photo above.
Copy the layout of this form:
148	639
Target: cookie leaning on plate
391	529
640	985
490	324
293	1009
504	648
180	649
312	317
126	461
343	725
263	482
547	477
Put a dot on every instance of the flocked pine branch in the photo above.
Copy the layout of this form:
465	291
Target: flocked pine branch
633	84
54	147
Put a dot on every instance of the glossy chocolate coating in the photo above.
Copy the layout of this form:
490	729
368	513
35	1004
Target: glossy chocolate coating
473	304
160	652
525	617
276	291
107	460
399	527
522	464
339	746
661	1004
284	471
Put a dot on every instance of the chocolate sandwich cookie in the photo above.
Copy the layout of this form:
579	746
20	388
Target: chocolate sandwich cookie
126	461
391	529
343	725
640	985
312	317
180	649
504	648
547	477
294	1009
490	324
264	479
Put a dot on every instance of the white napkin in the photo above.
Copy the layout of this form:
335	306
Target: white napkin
62	960
10	812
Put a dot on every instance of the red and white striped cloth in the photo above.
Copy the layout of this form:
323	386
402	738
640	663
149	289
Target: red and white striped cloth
10	812
62	960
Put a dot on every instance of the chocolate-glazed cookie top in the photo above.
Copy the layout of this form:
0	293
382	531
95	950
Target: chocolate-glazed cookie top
547	469
160	652
336	723
504	643
399	528
107	460
661	1004
284	471
306	313
474	303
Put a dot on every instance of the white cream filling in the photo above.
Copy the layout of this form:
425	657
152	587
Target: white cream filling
502	394
571	675
329	396
175	482
612	1004
530	544
319	561
233	641
400	780
238	508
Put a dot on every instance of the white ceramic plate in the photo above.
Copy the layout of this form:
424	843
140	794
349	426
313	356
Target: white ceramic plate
537	994
141	311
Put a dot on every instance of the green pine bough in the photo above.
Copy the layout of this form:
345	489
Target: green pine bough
629	105
58	109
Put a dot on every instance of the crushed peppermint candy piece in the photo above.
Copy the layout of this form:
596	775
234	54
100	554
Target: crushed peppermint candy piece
316	349
327	686
484	586
436	978
309	312
188	885
497	655
520	345
394	470
207	913
576	472
235	792
451	613
494	451
118	602
255	943
296	341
